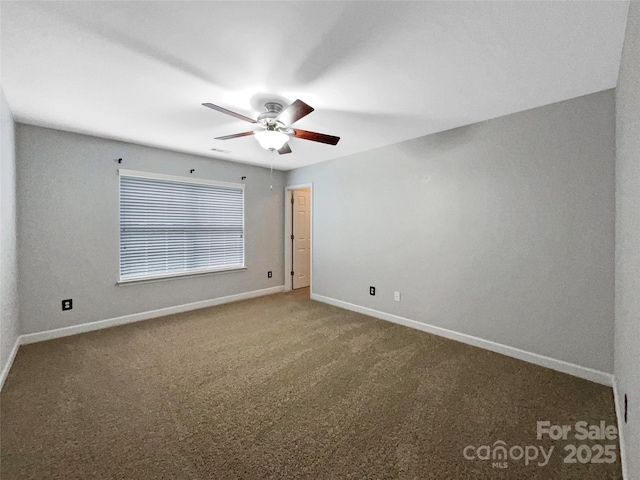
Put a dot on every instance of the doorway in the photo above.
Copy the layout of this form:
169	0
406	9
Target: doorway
298	236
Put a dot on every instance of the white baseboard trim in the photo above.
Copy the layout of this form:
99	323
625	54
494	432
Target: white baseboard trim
7	367
548	362
620	417
137	317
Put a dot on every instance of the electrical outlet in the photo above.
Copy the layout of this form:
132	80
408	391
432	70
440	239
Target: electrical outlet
67	304
269	274
372	290
396	296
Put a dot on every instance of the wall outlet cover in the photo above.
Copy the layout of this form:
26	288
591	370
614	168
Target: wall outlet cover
67	304
372	290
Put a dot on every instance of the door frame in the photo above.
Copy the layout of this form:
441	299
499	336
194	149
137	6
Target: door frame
288	231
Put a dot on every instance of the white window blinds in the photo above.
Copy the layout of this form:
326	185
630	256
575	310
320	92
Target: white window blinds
172	226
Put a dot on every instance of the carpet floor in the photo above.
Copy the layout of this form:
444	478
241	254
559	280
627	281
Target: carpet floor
283	387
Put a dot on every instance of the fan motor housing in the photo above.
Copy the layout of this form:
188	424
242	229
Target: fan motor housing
273	109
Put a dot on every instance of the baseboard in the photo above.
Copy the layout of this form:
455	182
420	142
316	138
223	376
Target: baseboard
137	317
620	417
548	362
7	367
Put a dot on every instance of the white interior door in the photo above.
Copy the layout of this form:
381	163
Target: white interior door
301	238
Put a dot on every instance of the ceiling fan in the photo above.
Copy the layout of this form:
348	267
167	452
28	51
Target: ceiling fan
274	126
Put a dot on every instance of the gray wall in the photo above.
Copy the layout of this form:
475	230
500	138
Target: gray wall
627	326
9	328
502	230
68	229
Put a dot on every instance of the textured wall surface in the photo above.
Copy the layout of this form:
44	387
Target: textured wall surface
9	327
627	326
503	230
68	229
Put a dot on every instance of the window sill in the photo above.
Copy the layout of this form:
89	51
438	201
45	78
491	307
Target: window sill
176	276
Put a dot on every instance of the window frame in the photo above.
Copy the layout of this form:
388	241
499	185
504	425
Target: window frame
142	278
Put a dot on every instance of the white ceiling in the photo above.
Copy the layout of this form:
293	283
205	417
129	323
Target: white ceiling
376	72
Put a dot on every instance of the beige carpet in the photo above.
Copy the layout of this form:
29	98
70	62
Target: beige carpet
282	387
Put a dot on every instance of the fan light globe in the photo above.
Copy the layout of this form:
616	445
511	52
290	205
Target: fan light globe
271	139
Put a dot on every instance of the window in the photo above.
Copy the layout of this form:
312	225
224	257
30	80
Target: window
172	226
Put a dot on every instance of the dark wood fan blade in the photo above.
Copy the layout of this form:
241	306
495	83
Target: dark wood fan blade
294	112
229	112
315	137
284	149
235	135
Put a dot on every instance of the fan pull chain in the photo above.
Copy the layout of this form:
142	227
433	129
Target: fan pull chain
271	174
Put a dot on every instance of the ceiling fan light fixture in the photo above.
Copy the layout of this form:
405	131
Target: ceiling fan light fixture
271	139
274	126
